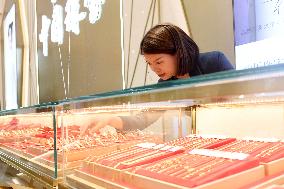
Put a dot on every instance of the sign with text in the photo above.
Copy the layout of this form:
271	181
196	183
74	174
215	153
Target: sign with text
259	32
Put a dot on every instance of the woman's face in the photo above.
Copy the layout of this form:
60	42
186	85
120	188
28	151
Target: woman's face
164	65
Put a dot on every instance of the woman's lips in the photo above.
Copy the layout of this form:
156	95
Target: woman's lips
162	75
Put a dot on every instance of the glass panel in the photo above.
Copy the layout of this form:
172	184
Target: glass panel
162	149
88	132
27	142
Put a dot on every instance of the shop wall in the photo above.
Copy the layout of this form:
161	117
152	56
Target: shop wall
94	62
211	24
260	121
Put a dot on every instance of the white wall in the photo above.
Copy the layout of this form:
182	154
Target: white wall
211	23
263	121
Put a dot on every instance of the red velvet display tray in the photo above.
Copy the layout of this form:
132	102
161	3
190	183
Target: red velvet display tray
225	168
137	155
198	141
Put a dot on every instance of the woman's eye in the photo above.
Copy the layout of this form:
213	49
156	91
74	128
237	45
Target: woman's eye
159	62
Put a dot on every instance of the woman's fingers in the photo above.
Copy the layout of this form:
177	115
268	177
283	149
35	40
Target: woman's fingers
100	122
98	126
85	128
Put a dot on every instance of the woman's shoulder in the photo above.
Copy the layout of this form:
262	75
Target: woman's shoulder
211	56
214	61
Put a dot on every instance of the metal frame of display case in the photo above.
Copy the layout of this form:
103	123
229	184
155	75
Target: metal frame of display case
28	167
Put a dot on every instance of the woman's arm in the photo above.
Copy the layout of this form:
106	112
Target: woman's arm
141	121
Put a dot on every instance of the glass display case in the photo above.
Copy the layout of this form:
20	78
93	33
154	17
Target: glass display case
222	130
28	142
207	132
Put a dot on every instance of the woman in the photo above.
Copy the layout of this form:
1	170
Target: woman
172	55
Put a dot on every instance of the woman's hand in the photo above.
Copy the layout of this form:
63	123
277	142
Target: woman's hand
101	121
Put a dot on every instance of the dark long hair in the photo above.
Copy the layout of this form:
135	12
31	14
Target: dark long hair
170	39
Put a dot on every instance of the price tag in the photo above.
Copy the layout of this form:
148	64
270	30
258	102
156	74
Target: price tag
218	153
261	139
176	148
147	145
208	136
